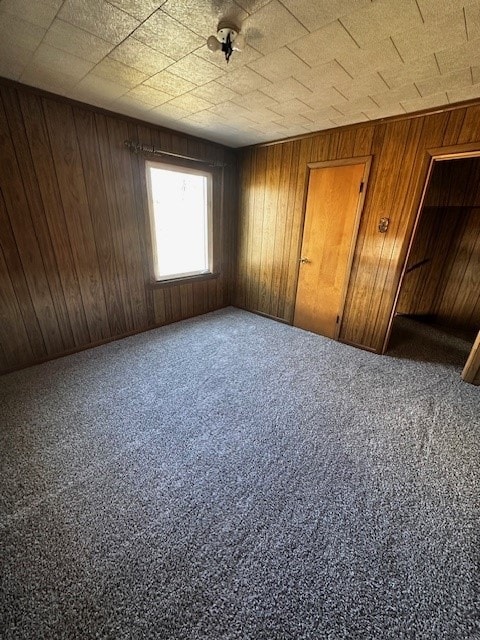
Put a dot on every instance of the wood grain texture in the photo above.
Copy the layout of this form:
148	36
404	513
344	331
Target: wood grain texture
399	169
328	237
74	232
471	371
443	270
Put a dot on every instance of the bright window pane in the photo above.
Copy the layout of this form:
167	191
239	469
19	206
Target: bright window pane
180	203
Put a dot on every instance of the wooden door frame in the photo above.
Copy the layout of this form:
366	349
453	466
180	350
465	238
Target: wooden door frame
367	161
437	154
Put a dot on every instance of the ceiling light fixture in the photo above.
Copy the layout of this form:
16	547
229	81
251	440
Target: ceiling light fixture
228	39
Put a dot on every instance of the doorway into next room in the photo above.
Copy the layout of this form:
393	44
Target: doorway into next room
438	308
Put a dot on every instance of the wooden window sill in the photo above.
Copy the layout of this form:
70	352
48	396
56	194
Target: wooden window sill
161	284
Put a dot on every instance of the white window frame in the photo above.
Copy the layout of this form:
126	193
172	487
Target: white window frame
209	219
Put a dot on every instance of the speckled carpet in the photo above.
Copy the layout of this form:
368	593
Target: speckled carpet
230	477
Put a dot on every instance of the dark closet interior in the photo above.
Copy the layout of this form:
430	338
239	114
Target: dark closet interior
438	309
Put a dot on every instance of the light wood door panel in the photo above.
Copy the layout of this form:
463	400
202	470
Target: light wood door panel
331	218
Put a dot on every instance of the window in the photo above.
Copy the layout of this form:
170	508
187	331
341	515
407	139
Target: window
180	202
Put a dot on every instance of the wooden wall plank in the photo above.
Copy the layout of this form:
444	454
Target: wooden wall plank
57	326
20	246
102	230
126	206
39	142
69	170
15	341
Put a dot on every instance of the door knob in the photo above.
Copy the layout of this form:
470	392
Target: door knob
304	260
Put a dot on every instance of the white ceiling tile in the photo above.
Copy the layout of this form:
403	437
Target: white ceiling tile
241	122
344	121
231	111
139	9
135	54
324	75
314	15
427	102
271	27
432	36
12	66
66	37
243	80
98	17
206	118
393	109
455	58
292	107
100	88
148	95
129	106
381	19
165	74
271	128
287	90
48	80
256	100
465	93
400	74
195	69
324	98
165	34
38	12
392	97
115	71
19	33
251	6
170	83
325	114
279	65
324	45
378	55
190	103
263	115
362	86
451	81
214	93
431	9
293	121
472	19
202	16
321	125
353	107
168	110
51	61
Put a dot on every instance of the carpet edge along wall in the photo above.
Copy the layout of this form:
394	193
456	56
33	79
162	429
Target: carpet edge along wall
74	230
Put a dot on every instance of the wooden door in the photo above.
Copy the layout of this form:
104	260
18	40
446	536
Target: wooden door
334	200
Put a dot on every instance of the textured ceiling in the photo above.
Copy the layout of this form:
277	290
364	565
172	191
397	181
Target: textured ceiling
308	65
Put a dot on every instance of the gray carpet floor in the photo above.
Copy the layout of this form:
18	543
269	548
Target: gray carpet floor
230	477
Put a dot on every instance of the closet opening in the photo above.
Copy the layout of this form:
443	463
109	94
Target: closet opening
437	312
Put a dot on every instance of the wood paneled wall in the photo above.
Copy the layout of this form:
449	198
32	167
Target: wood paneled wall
272	194
446	248
74	232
